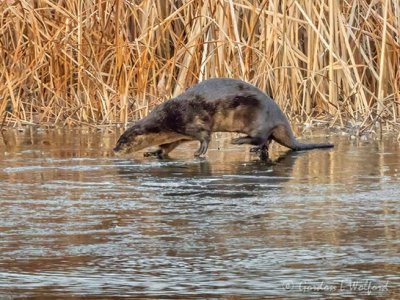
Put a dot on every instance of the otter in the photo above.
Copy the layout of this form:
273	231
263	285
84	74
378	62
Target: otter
213	105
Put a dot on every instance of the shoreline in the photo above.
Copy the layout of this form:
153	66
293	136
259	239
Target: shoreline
352	129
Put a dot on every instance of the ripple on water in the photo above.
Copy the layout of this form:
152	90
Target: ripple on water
306	226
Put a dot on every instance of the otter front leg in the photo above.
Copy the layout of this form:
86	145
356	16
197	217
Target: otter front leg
157	153
202	149
201	131
204	137
164	150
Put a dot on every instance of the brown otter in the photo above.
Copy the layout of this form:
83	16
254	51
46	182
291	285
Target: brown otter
214	105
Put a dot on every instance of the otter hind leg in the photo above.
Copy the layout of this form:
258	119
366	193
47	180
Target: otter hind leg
256	141
261	144
262	150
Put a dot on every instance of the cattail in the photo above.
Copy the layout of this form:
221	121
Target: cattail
101	62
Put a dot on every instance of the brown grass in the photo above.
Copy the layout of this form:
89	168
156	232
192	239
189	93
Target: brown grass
104	62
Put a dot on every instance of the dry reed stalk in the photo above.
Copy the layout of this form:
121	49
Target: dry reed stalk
106	62
331	50
382	60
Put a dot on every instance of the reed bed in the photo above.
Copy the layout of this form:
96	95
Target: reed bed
106	62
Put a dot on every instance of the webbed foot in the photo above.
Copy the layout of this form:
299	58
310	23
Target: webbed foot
261	150
202	149
247	140
159	153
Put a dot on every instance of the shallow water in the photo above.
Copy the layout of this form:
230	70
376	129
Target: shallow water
77	221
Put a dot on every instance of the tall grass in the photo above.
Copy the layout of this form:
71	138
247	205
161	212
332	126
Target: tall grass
102	62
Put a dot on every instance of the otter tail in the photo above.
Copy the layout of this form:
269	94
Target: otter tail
284	136
300	146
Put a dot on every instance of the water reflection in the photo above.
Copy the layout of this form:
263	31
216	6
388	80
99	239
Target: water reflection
76	220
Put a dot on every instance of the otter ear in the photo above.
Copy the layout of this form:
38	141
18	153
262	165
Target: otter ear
134	130
137	131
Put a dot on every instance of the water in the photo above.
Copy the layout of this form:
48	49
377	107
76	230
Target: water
76	221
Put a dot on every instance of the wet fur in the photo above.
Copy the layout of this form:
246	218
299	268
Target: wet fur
214	105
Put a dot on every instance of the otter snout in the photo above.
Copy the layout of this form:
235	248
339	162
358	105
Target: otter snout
121	146
118	147
117	150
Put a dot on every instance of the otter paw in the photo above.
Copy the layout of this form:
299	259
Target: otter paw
156	153
255	149
264	155
241	140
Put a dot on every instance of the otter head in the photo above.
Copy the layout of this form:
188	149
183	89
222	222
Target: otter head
130	141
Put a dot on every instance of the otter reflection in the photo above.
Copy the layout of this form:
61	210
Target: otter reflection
204	178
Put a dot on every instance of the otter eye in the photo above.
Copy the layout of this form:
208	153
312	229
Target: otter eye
122	140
